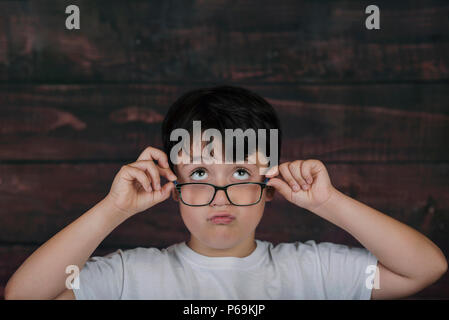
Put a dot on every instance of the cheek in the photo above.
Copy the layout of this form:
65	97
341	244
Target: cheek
192	217
253	215
195	218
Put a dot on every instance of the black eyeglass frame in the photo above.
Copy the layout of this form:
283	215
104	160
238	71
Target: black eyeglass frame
224	188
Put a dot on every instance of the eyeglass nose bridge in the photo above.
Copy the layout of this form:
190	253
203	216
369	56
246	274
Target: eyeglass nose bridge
225	189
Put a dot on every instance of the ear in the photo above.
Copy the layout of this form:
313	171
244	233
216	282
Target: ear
269	194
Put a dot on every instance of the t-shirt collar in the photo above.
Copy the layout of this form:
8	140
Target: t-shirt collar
223	262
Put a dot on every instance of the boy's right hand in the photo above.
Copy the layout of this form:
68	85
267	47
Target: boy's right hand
136	187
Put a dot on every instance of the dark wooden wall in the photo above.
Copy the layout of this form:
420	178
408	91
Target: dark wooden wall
77	105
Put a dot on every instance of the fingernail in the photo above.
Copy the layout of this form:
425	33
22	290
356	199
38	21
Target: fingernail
309	180
295	187
305	186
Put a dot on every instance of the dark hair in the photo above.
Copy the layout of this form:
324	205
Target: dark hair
220	107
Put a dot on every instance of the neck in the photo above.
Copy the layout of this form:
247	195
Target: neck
241	250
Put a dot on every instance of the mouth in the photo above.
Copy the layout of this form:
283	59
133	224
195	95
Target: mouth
221	218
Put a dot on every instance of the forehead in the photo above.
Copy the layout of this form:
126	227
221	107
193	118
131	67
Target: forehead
218	154
254	168
218	166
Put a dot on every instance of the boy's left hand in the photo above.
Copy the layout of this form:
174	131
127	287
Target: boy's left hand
309	173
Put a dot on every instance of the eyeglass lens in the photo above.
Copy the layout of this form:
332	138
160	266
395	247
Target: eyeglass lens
239	194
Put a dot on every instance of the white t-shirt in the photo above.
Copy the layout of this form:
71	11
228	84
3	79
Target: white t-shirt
286	271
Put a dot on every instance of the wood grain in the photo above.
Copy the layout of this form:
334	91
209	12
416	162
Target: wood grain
332	123
77	105
282	41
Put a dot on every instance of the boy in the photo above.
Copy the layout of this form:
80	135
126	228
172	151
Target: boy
222	259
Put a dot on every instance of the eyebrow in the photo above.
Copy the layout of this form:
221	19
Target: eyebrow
194	159
237	165
200	158
181	165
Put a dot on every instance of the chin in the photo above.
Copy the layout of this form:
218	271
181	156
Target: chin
223	242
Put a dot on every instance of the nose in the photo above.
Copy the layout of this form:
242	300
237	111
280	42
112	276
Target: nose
220	199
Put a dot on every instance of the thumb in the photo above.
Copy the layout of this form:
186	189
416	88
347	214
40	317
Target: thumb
281	186
166	190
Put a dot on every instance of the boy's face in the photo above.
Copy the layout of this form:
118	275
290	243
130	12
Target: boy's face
197	219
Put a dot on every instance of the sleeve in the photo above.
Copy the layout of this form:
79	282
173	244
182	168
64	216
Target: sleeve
101	278
347	271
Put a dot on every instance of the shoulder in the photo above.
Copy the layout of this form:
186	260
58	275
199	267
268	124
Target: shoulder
312	251
287	251
318	248
120	258
327	252
147	255
296	247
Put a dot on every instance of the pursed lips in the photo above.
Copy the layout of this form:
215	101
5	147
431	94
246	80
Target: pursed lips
222	215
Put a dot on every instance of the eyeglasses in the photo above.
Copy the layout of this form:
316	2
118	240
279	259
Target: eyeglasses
202	194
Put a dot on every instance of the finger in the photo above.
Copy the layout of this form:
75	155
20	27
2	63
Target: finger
287	176
130	174
151	168
272	172
295	169
166	190
163	194
167	173
307	170
151	153
281	186
161	160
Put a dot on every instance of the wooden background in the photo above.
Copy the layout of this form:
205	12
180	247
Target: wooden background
77	105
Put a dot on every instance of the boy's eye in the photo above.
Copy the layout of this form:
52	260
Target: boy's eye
241	174
199	174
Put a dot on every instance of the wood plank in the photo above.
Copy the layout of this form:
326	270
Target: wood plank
332	123
39	200
287	41
11	257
